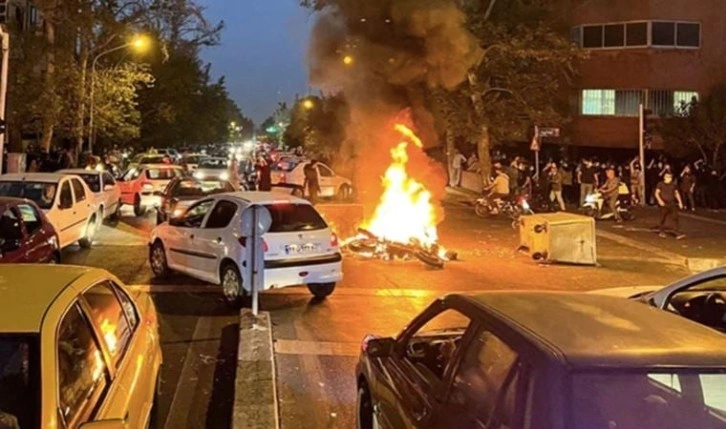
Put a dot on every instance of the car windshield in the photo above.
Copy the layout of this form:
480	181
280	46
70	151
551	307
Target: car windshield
152	159
213	163
286	164
196	188
93	181
162	173
193	159
19	381
288	217
43	194
649	400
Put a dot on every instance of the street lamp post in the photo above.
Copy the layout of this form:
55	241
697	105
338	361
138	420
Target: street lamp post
139	42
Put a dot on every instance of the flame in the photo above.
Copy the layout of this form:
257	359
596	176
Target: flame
405	212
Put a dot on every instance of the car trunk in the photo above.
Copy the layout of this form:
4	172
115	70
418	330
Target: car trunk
297	232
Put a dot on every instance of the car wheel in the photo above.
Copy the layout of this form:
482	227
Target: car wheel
321	290
139	210
87	241
157	260
345	193
55	258
116	215
232	285
298	192
364	407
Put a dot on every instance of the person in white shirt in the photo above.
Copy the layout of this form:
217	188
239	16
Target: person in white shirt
457	162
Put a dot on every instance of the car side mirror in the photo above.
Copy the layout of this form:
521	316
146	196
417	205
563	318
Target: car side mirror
105	424
378	347
108	188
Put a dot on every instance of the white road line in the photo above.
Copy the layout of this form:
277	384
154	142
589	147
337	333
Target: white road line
189	377
317	348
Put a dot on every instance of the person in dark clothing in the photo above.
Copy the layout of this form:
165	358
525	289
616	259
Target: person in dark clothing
264	171
687	187
587	177
651	179
669	201
312	181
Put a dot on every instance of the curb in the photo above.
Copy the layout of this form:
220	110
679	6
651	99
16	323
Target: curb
255	391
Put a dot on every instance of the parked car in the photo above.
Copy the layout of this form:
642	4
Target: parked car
546	361
288	172
701	297
206	243
171	153
83	349
191	161
141	187
105	189
68	203
212	168
26	234
183	192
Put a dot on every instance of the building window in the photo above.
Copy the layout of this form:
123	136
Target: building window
598	102
614	36
683	98
592	36
636	34
688	35
627	102
663	33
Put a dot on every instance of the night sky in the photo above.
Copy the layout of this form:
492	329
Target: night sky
262	52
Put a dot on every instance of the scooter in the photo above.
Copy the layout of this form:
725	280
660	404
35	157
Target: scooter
513	207
595	201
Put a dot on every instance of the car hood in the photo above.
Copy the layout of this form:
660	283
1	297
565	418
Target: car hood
628	292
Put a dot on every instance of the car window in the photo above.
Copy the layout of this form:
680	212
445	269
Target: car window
19	381
162	173
195	215
324	171
432	347
131	174
43	194
83	377
221	215
66	197
289	217
109	318
481	376
200	188
285	164
108	179
9	227
93	181
214	163
128	306
31	217
78	190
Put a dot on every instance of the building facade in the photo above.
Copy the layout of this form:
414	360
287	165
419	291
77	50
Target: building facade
661	53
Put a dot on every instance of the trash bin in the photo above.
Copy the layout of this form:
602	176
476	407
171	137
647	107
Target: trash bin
559	237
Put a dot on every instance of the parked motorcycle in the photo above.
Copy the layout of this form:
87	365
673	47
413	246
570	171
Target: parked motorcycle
513	207
595	202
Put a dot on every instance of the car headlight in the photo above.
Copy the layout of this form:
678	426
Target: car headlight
525	205
198	175
224	176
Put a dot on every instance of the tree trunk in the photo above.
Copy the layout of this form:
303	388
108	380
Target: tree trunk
80	127
450	147
49	114
483	149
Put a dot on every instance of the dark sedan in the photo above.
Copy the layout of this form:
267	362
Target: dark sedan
26	235
516	360
180	193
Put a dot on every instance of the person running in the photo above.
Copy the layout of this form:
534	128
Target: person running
610	192
669	202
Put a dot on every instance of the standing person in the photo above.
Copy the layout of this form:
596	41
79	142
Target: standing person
651	179
513	173
637	188
234	174
457	163
567	182
610	192
264	170
667	196
312	182
688	186
555	176
587	177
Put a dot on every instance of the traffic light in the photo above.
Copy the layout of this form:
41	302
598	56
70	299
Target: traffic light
3	11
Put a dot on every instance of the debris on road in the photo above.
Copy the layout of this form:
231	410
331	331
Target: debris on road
368	245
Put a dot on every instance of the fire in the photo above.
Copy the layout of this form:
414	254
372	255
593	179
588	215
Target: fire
405	212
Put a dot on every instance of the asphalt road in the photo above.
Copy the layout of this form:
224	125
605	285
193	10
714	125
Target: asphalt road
317	343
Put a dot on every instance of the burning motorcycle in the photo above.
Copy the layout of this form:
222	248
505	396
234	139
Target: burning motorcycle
513	208
595	201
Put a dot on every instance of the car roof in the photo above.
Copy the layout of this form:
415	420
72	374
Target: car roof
7	201
33	177
260	198
27	291
588	330
80	171
147	166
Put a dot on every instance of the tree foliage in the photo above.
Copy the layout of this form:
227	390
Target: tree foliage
317	124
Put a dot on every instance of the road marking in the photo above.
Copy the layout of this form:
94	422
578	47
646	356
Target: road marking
317	348
181	404
670	256
703	218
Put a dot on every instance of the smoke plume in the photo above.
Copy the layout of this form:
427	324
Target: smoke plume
383	55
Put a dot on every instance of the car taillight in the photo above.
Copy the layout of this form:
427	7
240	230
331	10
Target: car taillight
283	178
333	240
243	243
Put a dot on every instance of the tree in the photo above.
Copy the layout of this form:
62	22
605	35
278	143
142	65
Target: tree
698	129
318	125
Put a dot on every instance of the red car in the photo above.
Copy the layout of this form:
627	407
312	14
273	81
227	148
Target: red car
26	235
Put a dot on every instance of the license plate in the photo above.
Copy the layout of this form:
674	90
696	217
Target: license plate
295	249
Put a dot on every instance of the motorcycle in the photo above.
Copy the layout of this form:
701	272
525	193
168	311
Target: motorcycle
595	201
513	207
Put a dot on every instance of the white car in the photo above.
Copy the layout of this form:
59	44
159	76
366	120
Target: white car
212	168
288	172
206	243
191	161
66	200
105	189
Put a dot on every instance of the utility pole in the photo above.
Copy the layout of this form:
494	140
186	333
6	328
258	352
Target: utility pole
4	87
641	150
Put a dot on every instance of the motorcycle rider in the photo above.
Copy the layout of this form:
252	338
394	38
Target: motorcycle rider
610	192
499	188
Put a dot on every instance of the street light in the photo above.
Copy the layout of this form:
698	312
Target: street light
347	60
308	104
139	43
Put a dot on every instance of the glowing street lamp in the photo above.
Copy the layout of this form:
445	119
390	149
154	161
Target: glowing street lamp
347	60
308	104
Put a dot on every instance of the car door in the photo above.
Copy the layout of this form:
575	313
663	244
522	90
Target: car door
412	397
83	208
327	182
112	196
13	238
128	184
213	241
116	323
41	240
180	235
65	216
